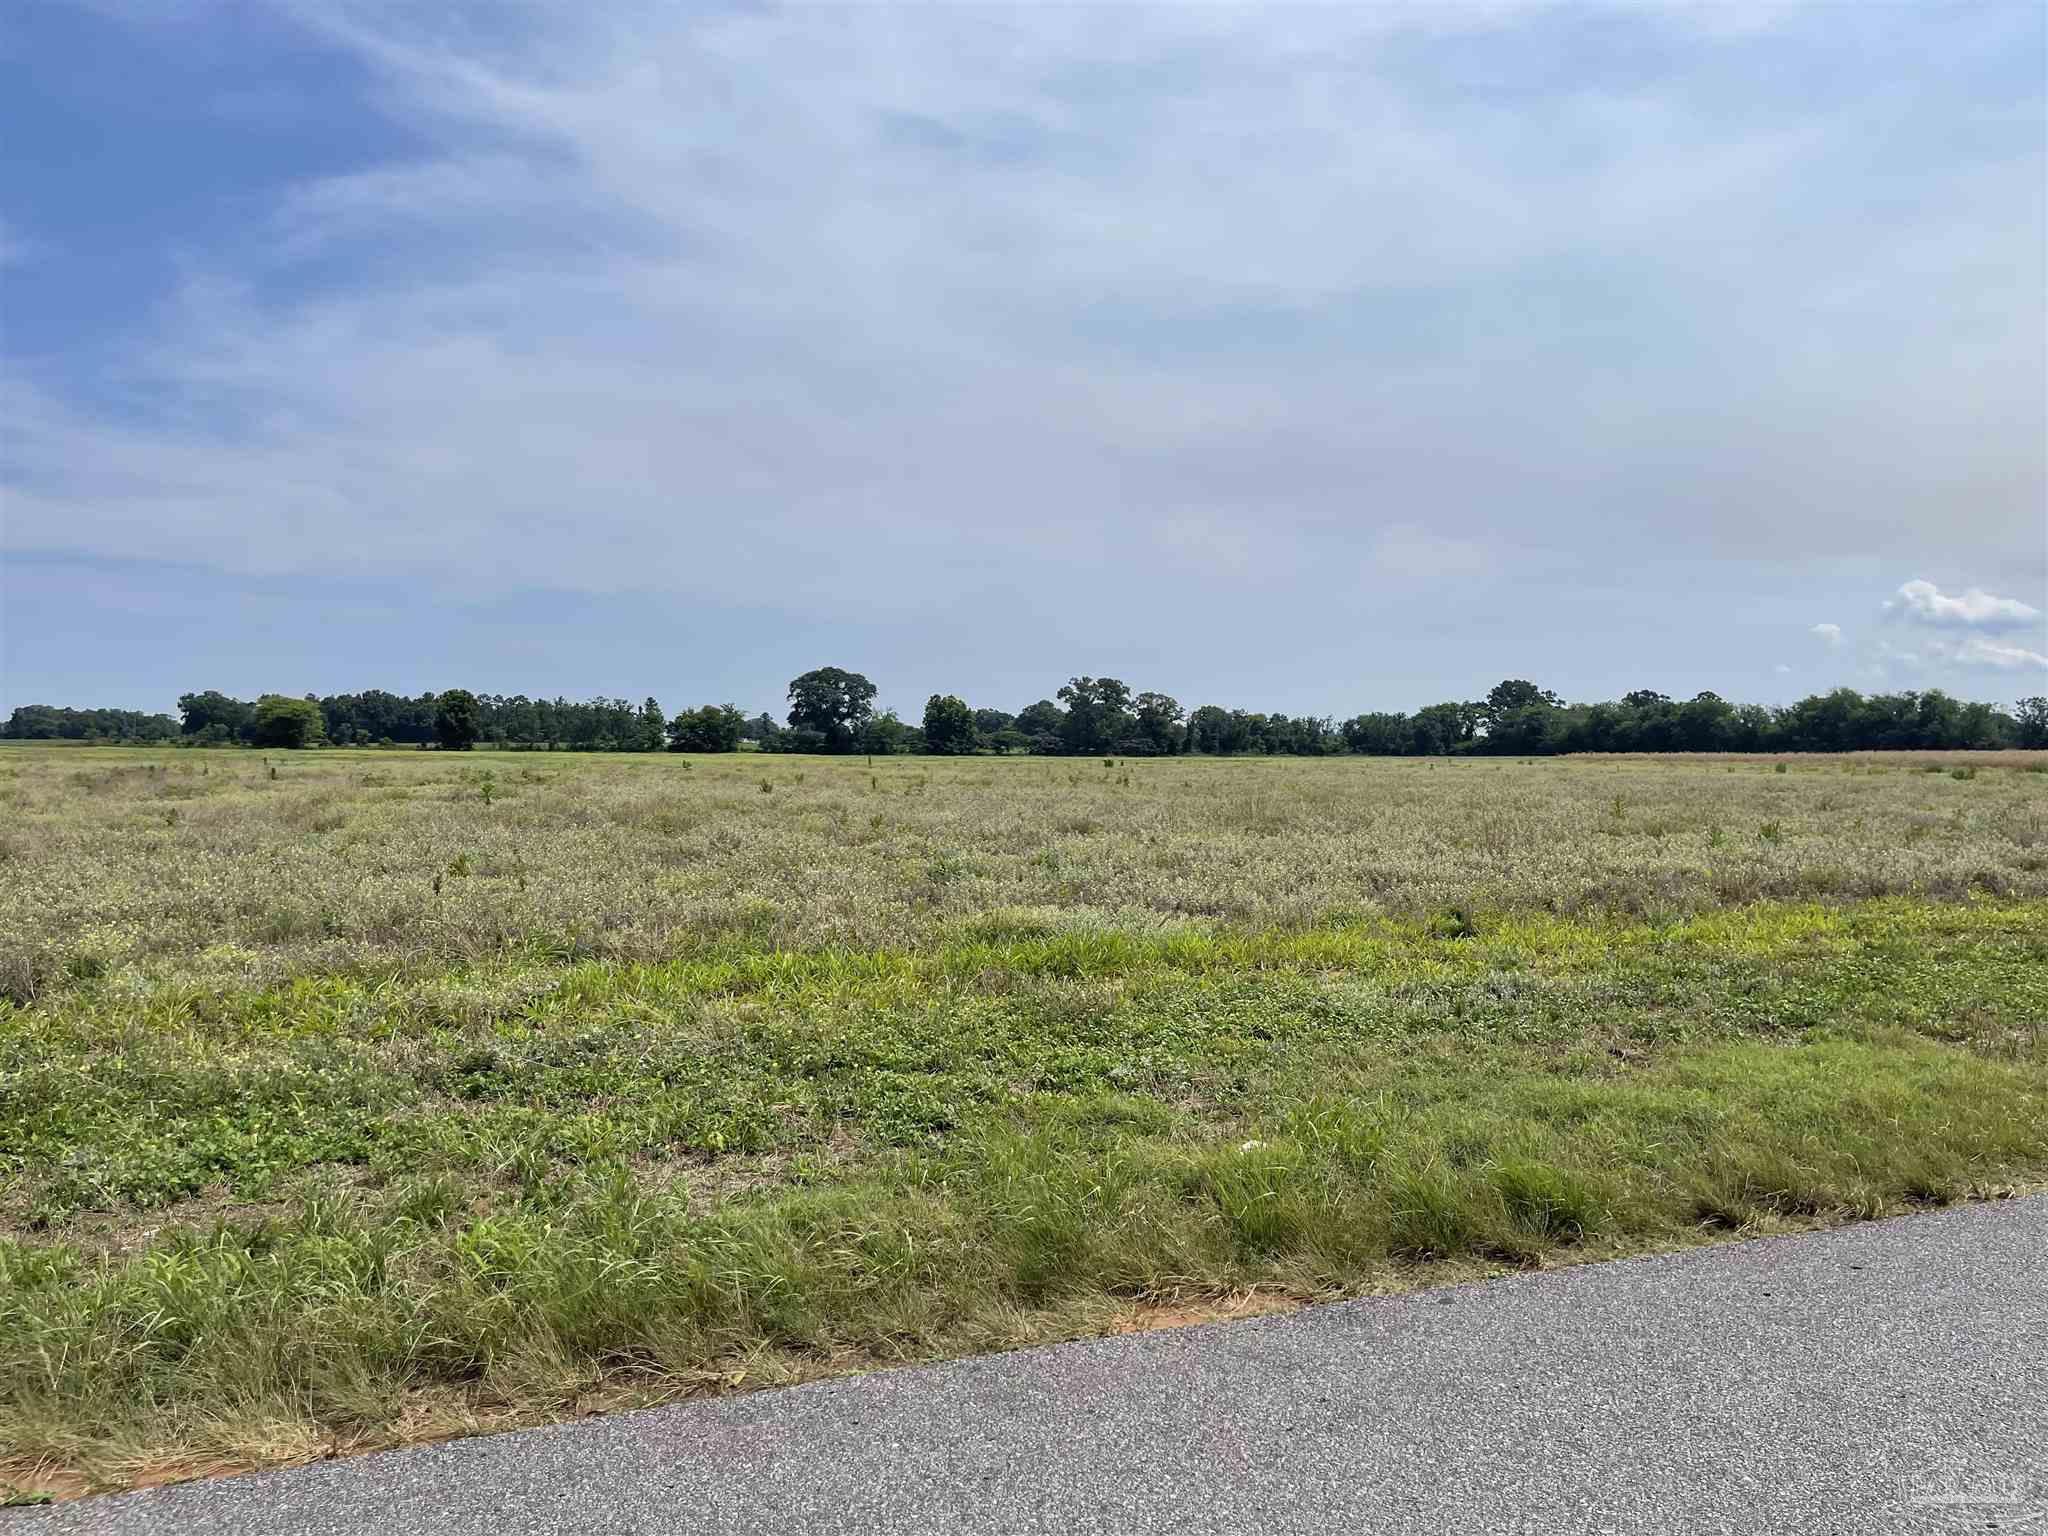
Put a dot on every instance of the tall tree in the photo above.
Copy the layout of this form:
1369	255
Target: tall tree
458	720
2032	718
1520	693
714	728
203	712
1207	728
948	726
653	726
1041	724
1824	722
1159	721
834	703
884	733
1706	723
1098	714
283	721
1443	728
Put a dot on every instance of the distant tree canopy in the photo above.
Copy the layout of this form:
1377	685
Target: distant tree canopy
1159	722
378	718
884	733
50	722
1098	715
714	728
949	728
833	705
1505	697
458	720
653	733
215	715
280	721
1042	724
832	710
2032	722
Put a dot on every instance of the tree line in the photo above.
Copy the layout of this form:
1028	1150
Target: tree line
832	710
53	722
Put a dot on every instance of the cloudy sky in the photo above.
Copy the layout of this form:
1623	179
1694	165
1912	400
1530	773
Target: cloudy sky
1320	359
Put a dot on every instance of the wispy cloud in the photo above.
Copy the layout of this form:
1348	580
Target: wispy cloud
1974	608
1979	651
1317	317
1830	634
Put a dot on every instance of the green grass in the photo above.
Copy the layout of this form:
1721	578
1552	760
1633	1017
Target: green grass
351	1098
251	1224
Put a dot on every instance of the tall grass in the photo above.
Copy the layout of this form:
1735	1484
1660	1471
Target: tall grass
343	862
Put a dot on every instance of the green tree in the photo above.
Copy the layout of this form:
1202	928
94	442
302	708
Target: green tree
1159	717
1821	722
834	703
2032	717
1209	729
884	733
948	726
1098	715
1443	728
1984	727
1519	717
1519	693
205	711
1041	724
714	728
458	720
282	721
1706	723
653	726
1380	734
52	722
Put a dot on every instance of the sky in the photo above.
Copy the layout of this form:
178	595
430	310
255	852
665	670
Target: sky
1314	359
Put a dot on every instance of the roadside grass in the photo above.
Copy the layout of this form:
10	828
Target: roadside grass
254	1224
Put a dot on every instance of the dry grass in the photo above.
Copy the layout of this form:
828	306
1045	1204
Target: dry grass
204	867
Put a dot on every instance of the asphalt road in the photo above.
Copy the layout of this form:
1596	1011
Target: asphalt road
1886	1378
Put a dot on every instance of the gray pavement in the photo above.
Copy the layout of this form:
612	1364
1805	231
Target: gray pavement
1885	1378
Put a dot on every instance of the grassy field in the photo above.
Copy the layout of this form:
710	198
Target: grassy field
352	1098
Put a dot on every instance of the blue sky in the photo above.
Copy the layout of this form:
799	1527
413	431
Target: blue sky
1320	359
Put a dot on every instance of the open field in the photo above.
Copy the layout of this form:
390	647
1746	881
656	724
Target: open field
347	1098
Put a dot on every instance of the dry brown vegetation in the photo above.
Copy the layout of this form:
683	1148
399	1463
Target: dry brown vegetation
231	867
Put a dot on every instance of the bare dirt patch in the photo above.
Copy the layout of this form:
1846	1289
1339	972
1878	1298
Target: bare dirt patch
1150	1316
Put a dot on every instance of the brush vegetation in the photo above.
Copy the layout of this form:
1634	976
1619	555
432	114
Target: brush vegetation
349	1099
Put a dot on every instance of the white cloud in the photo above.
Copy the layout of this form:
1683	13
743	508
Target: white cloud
851	304
1781	669
1925	603
1976	651
1831	633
